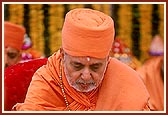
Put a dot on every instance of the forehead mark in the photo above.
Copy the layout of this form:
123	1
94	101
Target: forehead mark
88	58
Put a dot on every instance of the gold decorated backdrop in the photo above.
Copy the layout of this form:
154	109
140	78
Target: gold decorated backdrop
55	19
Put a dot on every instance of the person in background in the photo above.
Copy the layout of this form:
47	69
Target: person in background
13	41
28	52
152	73
123	53
81	76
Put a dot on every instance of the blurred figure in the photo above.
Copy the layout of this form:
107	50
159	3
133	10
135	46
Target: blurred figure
13	40
28	53
152	72
123	53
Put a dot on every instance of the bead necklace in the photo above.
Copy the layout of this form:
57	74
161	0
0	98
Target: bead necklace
62	88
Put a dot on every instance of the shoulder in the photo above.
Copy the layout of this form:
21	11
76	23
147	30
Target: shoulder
119	68
123	75
125	86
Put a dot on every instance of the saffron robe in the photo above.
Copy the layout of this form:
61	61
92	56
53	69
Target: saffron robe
152	75
121	90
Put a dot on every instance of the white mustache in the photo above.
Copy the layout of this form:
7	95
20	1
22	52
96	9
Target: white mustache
80	81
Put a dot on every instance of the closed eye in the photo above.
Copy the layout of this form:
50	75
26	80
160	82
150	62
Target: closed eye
95	67
12	55
77	66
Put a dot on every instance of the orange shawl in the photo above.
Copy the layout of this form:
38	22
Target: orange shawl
120	90
151	75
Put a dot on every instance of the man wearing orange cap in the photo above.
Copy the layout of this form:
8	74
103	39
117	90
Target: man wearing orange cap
13	40
81	76
152	73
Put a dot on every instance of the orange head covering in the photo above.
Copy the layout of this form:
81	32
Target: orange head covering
87	32
13	35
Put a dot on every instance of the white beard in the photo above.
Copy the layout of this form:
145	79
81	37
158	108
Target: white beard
75	85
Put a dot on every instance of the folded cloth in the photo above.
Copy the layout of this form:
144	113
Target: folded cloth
87	32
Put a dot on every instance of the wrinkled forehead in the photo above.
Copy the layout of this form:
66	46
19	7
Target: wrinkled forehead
84	58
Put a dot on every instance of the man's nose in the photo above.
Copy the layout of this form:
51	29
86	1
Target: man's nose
86	75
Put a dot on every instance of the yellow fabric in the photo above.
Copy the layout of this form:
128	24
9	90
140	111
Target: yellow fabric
121	89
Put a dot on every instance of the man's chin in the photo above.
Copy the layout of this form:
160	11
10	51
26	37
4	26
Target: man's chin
83	90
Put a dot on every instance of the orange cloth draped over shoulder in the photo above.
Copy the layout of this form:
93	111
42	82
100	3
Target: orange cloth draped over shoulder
116	93
13	35
153	78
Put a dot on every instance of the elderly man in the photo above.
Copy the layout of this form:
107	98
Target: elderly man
81	76
13	40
